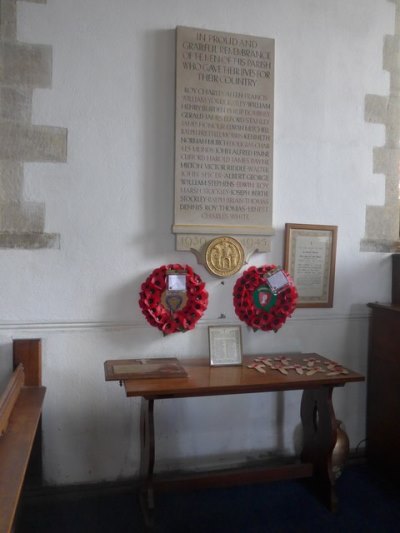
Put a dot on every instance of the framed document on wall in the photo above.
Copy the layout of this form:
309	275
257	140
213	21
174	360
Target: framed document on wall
310	258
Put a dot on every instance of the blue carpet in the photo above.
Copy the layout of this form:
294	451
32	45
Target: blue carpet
366	504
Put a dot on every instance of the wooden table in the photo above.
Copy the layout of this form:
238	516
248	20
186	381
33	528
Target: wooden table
317	415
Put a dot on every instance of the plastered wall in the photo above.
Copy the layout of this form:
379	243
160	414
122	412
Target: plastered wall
111	203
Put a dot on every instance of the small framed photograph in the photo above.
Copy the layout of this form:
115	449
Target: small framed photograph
310	257
177	282
277	280
225	345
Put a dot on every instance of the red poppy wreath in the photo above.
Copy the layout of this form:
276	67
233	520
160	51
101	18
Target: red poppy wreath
173	311
258	305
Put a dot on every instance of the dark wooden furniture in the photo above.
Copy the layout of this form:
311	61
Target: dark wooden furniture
383	385
20	412
317	415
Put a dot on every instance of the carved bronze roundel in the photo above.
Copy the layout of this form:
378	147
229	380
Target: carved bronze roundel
224	256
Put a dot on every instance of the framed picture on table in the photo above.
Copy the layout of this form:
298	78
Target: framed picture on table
225	345
310	258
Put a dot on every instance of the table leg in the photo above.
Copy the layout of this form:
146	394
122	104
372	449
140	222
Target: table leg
147	455
319	438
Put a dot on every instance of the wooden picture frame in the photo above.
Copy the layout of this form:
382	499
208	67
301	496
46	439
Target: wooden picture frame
310	259
225	345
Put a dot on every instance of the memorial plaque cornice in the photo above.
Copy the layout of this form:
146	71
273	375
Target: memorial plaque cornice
226	230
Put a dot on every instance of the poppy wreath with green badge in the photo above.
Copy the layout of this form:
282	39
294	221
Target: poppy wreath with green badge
258	305
173	312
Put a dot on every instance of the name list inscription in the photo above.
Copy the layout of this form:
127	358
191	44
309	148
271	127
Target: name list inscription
224	133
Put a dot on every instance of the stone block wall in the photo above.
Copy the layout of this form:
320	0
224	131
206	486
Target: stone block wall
382	226
23	67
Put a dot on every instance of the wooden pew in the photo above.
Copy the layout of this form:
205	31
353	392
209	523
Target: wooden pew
20	431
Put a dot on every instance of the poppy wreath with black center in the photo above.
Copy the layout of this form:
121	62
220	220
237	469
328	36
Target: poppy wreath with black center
278	307
167	321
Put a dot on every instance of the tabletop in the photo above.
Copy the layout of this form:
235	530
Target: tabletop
257	373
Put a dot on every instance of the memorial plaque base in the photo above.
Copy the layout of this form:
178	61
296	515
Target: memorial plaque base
198	245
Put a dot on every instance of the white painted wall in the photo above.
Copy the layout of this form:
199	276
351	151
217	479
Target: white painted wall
112	203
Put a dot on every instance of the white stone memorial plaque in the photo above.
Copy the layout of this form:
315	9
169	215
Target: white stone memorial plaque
224	133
